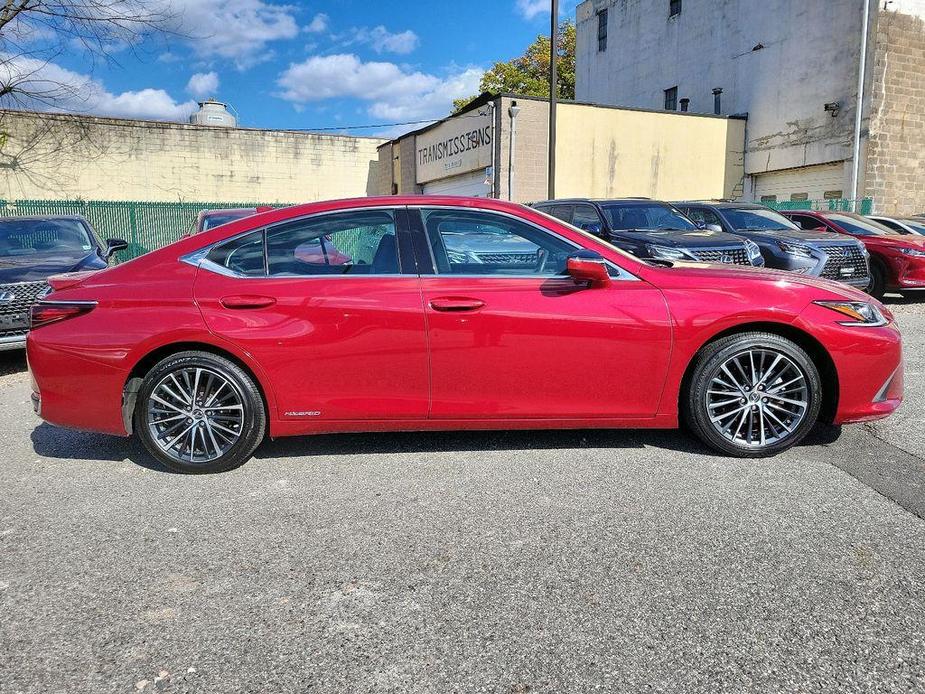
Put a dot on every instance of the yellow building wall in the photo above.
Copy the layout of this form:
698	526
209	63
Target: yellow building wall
610	152
53	157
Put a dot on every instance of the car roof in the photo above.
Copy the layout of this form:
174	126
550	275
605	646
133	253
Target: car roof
725	204
72	217
566	201
225	210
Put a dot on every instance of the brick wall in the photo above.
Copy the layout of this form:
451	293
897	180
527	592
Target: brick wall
895	169
55	156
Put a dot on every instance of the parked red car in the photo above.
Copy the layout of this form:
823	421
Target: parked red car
228	336
897	261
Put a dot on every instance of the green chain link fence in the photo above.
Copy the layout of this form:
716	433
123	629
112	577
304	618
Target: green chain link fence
145	225
862	206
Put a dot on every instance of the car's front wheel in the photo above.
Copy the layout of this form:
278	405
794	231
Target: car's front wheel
753	394
877	286
199	413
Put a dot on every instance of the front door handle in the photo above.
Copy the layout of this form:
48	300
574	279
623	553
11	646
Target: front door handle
450	304
246	301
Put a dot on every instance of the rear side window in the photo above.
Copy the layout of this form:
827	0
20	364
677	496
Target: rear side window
243	255
347	243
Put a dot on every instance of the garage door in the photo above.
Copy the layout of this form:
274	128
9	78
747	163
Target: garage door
471	184
807	183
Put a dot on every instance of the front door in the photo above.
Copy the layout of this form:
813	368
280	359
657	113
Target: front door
323	304
511	336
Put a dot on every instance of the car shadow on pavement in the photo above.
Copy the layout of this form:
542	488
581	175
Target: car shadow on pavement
54	442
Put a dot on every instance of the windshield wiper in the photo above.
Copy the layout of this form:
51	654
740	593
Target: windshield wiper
672	229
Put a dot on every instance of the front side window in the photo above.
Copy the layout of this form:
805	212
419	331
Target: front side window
347	243
602	30
671	99
646	217
587	218
756	219
36	237
804	222
483	243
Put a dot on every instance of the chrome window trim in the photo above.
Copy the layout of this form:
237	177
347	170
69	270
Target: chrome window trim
623	276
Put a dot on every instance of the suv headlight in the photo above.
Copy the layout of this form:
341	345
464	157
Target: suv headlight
668	253
860	313
795	249
752	248
914	252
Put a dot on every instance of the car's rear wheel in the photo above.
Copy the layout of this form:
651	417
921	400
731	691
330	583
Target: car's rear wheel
753	395
199	413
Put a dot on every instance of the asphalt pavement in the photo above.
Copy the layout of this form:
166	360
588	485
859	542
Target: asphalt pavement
478	562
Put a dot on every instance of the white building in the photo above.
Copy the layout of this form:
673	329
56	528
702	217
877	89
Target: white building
793	67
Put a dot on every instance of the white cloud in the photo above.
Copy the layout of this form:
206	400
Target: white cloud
319	24
382	40
531	8
237	30
203	84
47	86
393	92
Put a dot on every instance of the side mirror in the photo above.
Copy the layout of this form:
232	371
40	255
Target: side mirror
593	228
588	266
113	246
713	227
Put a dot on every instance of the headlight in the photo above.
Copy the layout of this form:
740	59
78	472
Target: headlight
666	253
860	313
795	249
913	252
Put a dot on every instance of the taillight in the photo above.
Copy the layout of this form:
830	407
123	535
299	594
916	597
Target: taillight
45	312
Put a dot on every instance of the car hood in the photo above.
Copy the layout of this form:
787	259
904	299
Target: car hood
898	240
724	274
38	267
694	238
796	236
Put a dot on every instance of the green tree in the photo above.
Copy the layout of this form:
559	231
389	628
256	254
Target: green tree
528	75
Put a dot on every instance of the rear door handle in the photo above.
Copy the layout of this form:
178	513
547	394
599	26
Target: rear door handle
449	304
246	301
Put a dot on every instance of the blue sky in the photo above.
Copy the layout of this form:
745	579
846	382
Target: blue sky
321	64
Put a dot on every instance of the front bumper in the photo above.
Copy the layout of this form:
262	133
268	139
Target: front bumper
909	272
11	342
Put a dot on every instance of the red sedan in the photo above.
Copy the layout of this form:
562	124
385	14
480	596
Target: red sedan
897	261
203	348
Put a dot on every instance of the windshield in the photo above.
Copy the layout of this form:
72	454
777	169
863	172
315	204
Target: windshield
916	224
757	219
855	224
215	220
646	216
25	237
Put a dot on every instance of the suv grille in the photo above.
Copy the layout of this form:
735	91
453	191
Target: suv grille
15	302
841	258
508	258
734	256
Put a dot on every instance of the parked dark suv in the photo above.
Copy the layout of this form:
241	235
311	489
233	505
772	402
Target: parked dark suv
652	229
31	250
783	244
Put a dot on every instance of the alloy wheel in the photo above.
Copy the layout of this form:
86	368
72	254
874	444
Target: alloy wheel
195	415
757	398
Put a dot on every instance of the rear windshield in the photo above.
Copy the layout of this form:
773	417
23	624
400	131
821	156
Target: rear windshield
861	226
44	237
646	217
756	219
216	220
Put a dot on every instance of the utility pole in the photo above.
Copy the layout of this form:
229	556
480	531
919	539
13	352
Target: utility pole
553	83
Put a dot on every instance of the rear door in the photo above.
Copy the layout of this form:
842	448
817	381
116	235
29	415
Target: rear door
330	306
513	337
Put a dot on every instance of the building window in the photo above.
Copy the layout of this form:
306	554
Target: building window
799	197
671	99
832	195
674	8
769	199
602	30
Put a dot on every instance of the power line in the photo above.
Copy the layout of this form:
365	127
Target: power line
377	125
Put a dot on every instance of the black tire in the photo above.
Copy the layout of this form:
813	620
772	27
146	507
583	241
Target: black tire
251	428
877	286
708	364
